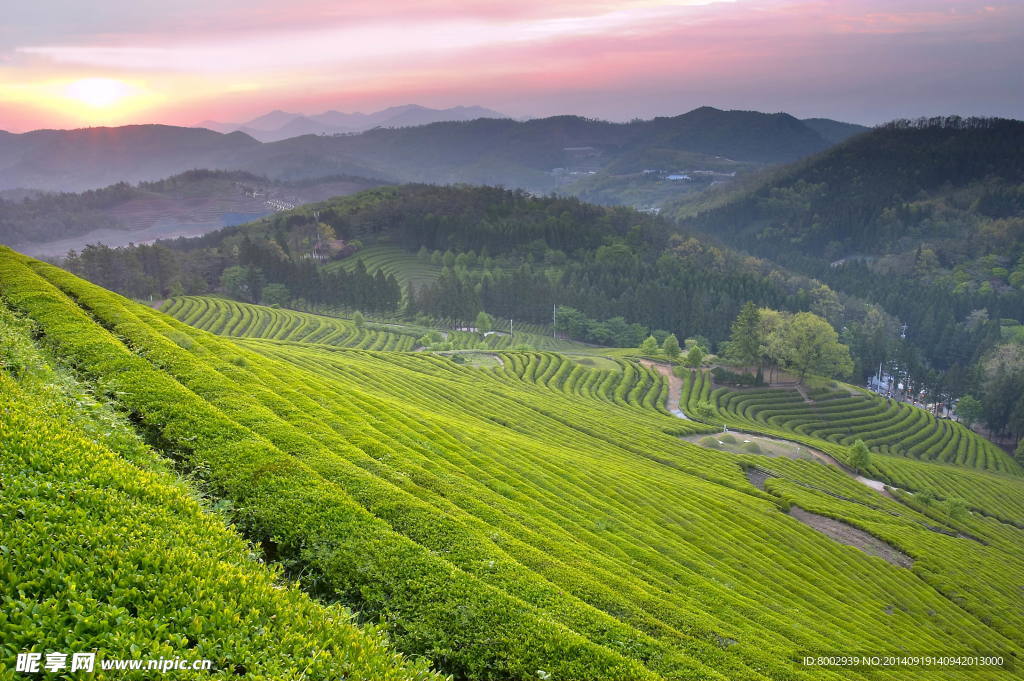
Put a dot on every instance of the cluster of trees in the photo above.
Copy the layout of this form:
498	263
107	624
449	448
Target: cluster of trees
687	288
668	346
804	343
615	331
356	289
945	328
997	392
148	271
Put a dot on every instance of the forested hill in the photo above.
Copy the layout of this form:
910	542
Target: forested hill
944	180
545	143
613	163
462	250
923	217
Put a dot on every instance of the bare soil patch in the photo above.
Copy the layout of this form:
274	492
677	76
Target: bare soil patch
757	477
852	536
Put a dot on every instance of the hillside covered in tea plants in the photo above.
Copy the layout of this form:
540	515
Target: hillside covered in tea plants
494	513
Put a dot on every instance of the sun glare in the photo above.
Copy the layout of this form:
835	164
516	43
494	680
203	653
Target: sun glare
99	93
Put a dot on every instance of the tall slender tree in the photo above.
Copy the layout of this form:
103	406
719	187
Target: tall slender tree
745	340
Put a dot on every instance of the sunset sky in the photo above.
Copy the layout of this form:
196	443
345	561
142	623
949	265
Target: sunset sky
75	63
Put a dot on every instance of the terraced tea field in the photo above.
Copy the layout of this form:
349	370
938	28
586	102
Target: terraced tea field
230	318
242	320
627	384
843	416
404	266
93	519
537	519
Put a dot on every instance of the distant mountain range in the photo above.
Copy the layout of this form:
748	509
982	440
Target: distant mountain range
632	163
279	125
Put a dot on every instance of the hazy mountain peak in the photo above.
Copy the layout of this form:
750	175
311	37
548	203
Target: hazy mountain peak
273	120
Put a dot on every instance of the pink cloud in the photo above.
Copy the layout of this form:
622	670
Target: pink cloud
656	57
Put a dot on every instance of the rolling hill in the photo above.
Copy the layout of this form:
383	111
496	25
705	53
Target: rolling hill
564	153
466	249
886	192
500	521
928	210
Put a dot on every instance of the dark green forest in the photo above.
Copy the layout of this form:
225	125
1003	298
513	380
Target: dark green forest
924	218
504	252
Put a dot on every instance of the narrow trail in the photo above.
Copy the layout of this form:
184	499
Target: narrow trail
675	392
675	387
876	485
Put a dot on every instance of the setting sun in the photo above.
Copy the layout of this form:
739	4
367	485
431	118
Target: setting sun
100	93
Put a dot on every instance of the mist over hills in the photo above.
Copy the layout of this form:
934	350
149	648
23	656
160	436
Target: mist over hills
278	125
188	204
568	154
89	158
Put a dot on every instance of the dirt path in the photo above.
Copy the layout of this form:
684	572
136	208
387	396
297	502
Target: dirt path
852	536
675	387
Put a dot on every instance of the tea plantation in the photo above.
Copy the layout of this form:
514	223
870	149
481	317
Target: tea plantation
230	318
105	550
535	518
843	414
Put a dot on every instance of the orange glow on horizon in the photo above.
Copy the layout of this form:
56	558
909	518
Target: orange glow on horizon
859	60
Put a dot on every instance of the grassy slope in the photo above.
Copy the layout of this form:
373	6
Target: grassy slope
107	551
507	529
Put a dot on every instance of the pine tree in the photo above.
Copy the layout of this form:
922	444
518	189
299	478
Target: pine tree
745	340
409	300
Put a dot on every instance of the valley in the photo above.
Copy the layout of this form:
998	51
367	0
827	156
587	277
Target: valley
547	399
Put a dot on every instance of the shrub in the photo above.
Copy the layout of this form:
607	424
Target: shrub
726	377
